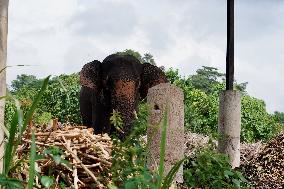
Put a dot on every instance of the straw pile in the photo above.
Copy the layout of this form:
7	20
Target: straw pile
71	155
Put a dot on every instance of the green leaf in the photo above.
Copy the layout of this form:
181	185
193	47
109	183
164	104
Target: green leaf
237	183
47	181
34	104
66	162
10	183
32	163
228	173
10	145
170	176
57	159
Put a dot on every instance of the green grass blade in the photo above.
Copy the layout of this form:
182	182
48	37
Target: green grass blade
170	176
12	66
32	163
10	144
34	105
10	183
163	147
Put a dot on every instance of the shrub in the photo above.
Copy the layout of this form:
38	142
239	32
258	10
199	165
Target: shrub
209	169
257	124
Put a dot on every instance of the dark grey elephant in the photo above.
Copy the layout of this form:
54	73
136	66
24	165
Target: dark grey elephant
115	84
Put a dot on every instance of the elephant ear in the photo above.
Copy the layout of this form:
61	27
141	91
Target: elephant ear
90	75
150	77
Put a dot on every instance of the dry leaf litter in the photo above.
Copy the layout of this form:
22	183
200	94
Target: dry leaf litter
266	168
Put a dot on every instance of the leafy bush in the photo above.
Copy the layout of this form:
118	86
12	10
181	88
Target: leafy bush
209	169
257	124
61	99
129	157
44	118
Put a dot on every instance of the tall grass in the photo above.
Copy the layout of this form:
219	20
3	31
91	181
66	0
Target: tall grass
17	127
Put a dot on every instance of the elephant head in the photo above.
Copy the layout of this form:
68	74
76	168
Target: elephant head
115	84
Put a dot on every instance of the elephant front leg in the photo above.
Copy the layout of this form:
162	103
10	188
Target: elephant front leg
86	106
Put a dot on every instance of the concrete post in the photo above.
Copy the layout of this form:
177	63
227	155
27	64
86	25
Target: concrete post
161	98
3	57
230	125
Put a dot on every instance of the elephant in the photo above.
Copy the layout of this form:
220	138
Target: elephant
116	83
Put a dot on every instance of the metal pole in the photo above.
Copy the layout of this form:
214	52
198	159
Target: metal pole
230	46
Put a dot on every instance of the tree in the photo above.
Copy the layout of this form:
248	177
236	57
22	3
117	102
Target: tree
3	57
25	80
279	117
148	58
136	54
206	78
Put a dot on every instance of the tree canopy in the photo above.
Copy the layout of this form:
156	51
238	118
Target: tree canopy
146	58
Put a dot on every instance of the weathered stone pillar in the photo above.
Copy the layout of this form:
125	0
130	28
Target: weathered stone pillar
230	125
161	98
3	57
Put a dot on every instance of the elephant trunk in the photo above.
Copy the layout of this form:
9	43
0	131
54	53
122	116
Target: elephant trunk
124	100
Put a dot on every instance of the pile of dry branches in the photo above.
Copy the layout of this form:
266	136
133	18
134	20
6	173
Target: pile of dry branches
266	169
71	155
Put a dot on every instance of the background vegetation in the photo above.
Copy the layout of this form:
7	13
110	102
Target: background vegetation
201	91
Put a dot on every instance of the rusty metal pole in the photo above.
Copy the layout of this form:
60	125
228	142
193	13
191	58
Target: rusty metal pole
230	46
229	124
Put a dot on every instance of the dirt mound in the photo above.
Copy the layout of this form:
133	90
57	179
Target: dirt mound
71	155
266	167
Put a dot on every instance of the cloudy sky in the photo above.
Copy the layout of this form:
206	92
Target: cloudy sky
59	36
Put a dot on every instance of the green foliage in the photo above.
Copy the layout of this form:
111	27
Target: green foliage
201	106
147	58
134	53
116	120
10	183
24	80
47	181
44	118
279	117
129	157
60	99
209	169
17	127
257	124
32	163
205	78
